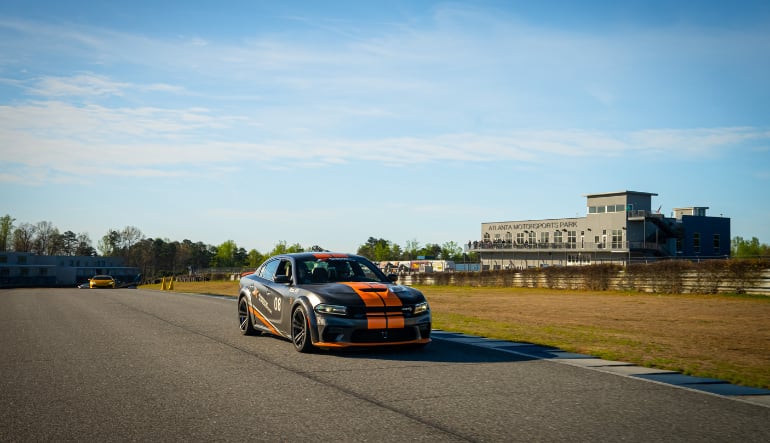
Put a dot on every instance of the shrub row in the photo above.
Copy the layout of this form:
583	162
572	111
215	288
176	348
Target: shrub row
668	276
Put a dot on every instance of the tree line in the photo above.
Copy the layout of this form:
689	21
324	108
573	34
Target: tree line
159	257
156	256
742	248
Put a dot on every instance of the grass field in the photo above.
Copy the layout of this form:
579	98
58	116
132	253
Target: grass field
720	336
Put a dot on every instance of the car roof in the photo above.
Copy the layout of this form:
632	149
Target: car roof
317	255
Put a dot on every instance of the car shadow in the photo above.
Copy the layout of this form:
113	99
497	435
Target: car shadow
439	350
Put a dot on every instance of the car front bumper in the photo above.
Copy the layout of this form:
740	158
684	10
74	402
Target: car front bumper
341	332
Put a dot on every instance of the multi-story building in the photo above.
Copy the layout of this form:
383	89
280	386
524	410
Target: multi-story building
25	269
619	227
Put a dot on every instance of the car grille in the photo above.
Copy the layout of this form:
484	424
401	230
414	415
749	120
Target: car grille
362	311
384	335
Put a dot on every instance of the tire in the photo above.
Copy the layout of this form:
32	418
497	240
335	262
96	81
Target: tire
300	330
244	319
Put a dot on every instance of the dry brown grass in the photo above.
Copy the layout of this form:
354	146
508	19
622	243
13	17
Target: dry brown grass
726	337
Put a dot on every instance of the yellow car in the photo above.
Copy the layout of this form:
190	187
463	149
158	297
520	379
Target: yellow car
101	281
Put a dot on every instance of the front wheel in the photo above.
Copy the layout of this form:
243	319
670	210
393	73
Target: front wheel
300	330
244	319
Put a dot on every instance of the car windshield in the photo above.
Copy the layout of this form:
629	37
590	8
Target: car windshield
102	277
342	269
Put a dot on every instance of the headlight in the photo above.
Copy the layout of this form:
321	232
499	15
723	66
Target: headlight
419	308
397	289
323	308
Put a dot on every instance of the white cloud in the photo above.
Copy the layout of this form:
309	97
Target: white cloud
696	141
147	141
314	102
88	85
80	85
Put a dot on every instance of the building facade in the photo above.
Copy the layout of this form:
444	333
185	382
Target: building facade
619	227
22	269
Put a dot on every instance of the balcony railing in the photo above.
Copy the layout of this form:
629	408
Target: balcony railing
640	214
565	246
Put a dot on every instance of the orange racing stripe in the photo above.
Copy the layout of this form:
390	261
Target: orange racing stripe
263	320
325	256
380	297
349	345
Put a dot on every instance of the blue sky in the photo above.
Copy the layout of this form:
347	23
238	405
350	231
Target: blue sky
326	123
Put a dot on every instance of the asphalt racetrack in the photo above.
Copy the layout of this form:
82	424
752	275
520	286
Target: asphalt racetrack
117	365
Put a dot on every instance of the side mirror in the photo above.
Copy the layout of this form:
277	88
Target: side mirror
282	279
393	277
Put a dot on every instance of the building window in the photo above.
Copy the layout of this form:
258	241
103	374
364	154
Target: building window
578	260
592	209
601	209
3	259
43	271
544	237
508	237
22	260
532	237
519	238
557	237
696	242
716	243
572	239
617	239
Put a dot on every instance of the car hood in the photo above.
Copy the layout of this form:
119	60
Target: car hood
356	293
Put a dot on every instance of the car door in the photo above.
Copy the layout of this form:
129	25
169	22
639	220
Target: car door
261	292
277	294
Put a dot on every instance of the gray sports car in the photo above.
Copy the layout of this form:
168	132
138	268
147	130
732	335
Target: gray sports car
331	300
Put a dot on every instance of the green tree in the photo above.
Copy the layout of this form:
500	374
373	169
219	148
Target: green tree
226	255
69	243
109	245
741	248
6	232
430	250
411	249
283	248
254	258
240	256
395	252
451	251
376	249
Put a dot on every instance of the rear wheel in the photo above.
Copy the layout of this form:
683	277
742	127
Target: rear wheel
244	319
300	330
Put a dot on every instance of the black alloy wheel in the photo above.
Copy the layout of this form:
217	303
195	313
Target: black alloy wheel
244	319
300	331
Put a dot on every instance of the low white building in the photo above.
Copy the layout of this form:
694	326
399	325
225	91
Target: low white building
29	270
